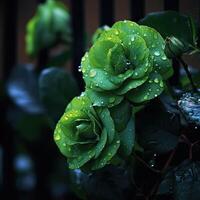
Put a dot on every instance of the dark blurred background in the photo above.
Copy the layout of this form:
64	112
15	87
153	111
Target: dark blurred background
31	167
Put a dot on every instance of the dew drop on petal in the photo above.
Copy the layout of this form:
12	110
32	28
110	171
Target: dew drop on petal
156	80
57	137
157	53
132	39
164	58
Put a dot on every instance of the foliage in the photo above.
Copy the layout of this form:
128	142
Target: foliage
48	27
56	82
175	27
130	125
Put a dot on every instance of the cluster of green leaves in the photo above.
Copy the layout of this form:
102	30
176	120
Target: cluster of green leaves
126	63
49	26
180	31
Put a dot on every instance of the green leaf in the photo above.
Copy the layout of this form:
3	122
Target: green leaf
57	87
157	134
127	138
171	23
22	88
121	115
183	182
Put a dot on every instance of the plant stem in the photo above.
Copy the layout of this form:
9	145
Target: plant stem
187	72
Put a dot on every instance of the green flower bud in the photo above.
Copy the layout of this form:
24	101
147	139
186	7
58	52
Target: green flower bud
174	47
91	137
127	61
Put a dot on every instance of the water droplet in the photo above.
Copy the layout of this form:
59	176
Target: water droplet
57	137
153	45
155	95
129	43
145	34
128	63
132	39
145	97
161	84
79	68
64	144
157	53
150	81
83	59
164	58
118	142
136	74
156	80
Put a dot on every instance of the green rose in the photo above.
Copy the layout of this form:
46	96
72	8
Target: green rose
50	25
92	137
126	61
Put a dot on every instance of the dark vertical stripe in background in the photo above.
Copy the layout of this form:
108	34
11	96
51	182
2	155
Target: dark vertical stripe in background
9	51
77	12
137	9
106	12
173	5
